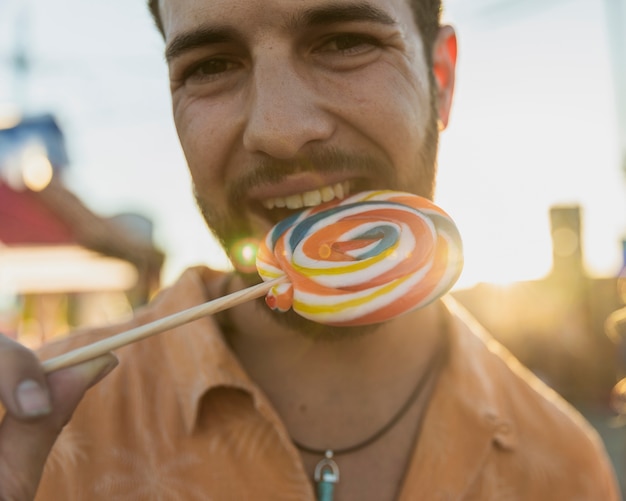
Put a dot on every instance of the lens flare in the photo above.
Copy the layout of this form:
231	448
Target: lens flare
243	255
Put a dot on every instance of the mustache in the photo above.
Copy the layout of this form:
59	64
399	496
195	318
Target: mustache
267	170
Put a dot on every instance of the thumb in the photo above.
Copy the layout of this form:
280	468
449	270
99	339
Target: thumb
26	443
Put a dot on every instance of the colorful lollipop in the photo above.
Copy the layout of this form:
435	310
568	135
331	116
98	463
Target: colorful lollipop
361	260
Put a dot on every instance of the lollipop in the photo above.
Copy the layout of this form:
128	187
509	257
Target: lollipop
362	260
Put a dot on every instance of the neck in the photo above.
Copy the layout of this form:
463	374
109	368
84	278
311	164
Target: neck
356	383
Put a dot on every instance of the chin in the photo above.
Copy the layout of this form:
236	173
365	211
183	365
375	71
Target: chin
314	330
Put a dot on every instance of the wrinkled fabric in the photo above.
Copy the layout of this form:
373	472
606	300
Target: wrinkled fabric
179	419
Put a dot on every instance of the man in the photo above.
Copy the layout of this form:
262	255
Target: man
283	103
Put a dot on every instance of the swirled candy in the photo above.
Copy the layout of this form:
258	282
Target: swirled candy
361	260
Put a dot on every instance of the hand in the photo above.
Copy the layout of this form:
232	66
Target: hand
37	407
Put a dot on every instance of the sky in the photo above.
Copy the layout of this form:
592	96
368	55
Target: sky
534	125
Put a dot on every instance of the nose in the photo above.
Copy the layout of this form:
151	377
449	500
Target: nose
285	112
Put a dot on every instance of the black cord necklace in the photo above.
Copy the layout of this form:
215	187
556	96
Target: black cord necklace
326	474
388	425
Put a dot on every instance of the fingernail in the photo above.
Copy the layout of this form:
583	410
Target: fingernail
32	398
112	364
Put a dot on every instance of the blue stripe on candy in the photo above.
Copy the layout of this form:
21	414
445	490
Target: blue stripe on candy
390	235
302	228
445	226
282	227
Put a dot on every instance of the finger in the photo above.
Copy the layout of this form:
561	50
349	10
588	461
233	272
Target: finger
23	386
26	443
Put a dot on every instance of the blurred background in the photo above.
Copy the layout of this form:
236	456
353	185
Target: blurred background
96	212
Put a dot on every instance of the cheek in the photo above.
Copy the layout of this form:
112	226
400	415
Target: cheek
204	133
390	106
410	114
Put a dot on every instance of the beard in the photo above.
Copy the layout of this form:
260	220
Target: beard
233	223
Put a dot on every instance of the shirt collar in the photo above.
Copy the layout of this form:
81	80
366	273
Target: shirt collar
467	416
197	367
476	369
198	357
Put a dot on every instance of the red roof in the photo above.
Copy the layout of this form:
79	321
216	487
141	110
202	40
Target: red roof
57	216
25	219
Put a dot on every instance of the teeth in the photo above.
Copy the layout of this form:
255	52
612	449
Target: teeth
309	198
339	192
294	202
327	194
312	198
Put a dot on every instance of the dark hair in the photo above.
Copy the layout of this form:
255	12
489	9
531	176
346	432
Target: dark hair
153	7
427	15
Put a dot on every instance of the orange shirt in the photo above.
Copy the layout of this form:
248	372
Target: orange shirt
179	419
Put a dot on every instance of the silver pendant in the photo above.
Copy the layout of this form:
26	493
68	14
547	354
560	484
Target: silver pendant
326	476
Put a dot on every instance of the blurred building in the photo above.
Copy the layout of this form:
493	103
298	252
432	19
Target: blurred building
569	329
556	326
61	265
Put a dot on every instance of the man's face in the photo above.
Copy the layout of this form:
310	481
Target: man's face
285	103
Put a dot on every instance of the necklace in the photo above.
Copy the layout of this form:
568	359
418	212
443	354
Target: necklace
326	474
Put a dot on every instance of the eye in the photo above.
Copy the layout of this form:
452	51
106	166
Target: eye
349	43
209	69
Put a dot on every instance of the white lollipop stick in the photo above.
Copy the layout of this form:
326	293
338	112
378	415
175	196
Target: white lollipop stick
143	331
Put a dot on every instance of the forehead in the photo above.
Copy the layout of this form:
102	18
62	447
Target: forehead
181	16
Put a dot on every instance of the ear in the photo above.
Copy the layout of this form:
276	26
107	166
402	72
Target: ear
444	68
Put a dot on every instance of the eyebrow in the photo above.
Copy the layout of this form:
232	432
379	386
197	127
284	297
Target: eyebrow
203	36
316	16
339	12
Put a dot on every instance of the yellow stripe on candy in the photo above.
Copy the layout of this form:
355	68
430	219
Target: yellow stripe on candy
349	268
302	307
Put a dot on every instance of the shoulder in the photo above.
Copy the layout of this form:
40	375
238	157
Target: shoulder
540	440
159	368
150	400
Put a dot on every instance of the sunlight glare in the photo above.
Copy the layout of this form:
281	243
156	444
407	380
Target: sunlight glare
243	255
37	171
